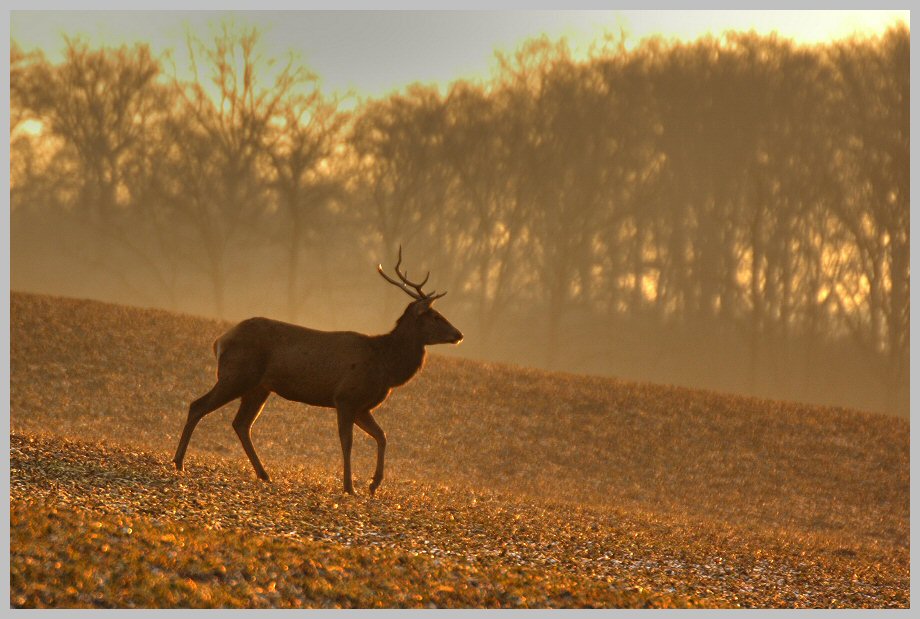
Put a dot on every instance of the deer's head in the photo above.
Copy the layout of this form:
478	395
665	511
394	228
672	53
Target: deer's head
420	317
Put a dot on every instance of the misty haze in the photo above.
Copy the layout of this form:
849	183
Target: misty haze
730	214
641	247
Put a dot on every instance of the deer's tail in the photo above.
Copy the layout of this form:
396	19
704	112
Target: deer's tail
219	347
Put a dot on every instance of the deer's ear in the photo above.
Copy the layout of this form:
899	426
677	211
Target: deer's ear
420	307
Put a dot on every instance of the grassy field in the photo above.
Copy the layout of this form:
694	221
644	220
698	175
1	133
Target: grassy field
505	487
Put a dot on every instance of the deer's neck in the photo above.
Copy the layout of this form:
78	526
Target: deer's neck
403	356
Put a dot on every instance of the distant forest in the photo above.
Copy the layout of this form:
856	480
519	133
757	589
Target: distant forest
730	213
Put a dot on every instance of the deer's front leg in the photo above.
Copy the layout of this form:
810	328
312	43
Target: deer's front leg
366	422
346	420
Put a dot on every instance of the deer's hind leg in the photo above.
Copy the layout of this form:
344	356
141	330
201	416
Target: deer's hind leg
250	406
235	377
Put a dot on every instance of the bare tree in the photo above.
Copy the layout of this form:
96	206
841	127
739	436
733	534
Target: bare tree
875	103
305	179
488	211
401	186
225	128
103	107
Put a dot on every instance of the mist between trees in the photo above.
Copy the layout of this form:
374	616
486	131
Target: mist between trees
731	213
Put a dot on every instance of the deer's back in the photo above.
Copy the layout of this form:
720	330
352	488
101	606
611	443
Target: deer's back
298	363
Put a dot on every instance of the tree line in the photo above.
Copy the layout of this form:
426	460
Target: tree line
731	212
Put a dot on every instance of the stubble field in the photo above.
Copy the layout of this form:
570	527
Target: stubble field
505	487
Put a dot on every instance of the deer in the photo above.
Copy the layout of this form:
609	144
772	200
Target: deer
345	370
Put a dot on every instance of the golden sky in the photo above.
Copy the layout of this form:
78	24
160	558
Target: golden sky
376	52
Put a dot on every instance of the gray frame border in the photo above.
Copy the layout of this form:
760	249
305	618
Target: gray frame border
239	5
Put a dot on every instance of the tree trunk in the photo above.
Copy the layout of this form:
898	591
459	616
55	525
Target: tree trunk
293	305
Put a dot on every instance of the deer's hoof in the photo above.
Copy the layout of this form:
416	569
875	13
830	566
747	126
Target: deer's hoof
178	464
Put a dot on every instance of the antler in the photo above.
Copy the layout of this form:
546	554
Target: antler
419	294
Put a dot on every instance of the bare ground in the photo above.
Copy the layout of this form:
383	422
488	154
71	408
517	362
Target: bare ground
505	487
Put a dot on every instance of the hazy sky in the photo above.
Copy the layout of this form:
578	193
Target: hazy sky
376	52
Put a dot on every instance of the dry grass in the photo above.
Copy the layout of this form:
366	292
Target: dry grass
295	542
616	493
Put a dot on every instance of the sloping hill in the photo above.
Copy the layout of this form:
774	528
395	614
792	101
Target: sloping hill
725	499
